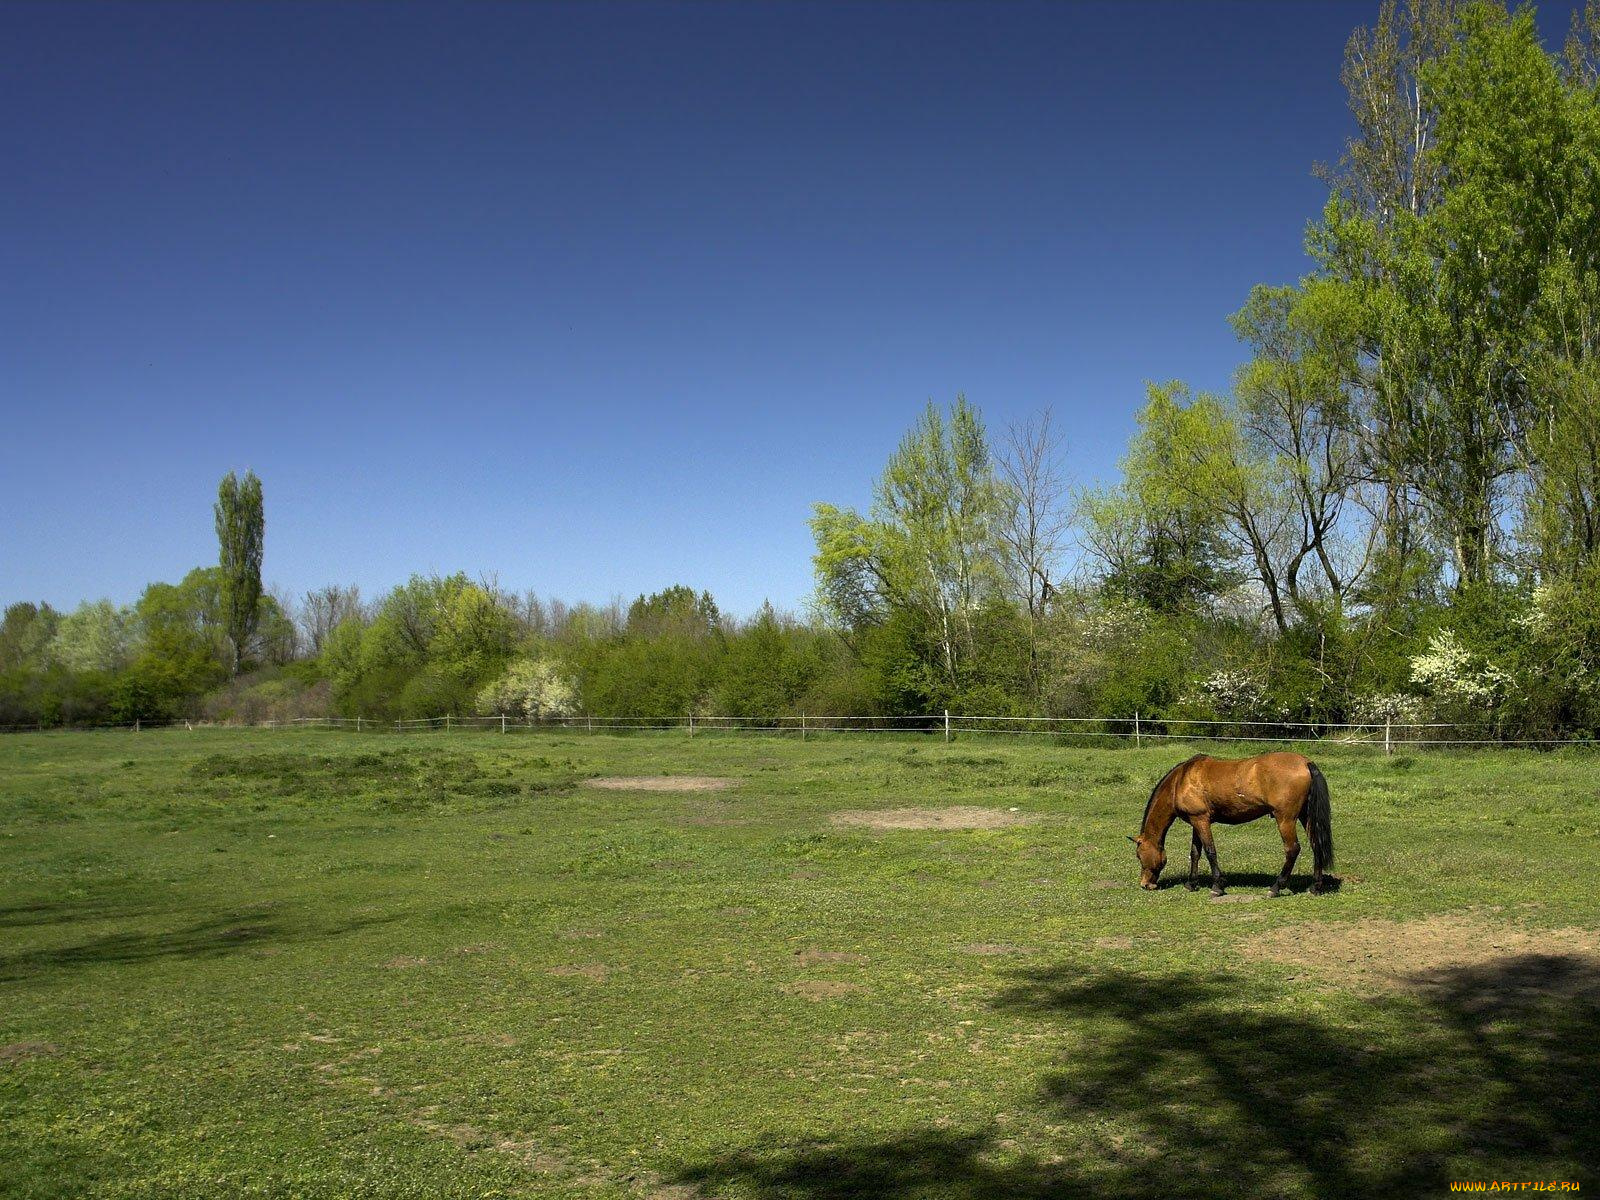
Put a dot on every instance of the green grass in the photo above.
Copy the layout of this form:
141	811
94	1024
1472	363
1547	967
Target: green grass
320	964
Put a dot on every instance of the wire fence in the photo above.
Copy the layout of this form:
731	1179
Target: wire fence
1136	729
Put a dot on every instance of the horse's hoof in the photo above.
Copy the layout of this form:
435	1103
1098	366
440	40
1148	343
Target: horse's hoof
1317	889
1272	893
1193	887
1218	892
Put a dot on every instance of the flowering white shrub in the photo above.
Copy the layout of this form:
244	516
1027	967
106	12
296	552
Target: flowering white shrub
1454	675
530	689
1234	691
1539	619
1113	624
1388	706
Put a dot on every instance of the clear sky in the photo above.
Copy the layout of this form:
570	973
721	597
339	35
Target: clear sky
600	298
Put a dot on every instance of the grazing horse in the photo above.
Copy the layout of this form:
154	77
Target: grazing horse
1205	791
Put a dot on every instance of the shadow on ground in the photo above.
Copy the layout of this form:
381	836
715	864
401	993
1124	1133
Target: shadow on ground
1179	1086
211	938
64	912
1244	881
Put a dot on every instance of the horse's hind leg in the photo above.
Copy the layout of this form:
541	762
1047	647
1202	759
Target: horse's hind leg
1202	831
1291	851
1194	858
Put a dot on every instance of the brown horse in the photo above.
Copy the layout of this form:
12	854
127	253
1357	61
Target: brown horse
1205	791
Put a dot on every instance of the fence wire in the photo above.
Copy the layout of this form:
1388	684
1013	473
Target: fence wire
947	726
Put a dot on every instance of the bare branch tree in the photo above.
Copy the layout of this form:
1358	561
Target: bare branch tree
322	610
1033	530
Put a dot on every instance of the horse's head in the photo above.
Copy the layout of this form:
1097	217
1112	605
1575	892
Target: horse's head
1151	859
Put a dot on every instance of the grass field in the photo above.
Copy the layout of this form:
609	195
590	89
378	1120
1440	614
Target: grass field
317	964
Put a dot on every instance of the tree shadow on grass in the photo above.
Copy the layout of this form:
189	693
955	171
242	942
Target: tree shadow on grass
213	938
61	912
1181	1086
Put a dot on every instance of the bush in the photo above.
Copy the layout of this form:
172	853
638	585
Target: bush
268	694
531	689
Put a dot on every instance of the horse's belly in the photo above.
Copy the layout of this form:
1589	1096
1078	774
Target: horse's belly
1236	810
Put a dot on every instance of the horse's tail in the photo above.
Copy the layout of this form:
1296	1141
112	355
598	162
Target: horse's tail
1319	820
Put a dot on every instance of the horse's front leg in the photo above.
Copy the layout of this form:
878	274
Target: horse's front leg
1194	858
1291	851
1202	830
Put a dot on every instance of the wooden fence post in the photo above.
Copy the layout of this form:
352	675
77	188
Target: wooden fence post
802	727
1138	742
1388	746
947	724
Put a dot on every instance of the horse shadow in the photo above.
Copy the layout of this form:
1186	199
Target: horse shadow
1246	880
1183	1090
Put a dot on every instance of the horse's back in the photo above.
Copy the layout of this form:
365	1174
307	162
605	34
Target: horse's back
1274	765
1242	789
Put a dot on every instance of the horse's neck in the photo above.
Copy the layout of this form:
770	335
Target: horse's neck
1163	811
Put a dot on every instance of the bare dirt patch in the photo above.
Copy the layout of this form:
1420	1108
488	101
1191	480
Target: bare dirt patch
598	972
960	816
821	989
1417	955
807	958
17	1051
1113	943
990	949
662	783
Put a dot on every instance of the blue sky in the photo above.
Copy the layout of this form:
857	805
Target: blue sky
603	298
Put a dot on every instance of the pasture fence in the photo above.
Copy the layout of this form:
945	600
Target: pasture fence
947	726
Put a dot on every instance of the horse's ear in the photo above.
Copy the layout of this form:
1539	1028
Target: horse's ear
1133	839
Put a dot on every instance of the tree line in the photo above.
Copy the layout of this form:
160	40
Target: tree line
1393	512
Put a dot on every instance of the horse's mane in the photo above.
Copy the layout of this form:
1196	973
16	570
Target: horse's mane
1160	783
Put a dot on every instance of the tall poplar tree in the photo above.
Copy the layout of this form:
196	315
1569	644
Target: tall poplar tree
241	532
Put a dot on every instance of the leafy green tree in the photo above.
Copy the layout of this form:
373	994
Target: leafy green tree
25	632
432	643
1193	457
96	636
241	529
1158	537
473	636
183	647
928	555
647	677
275	640
1294	406
1561	510
1482	276
676	611
771	665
